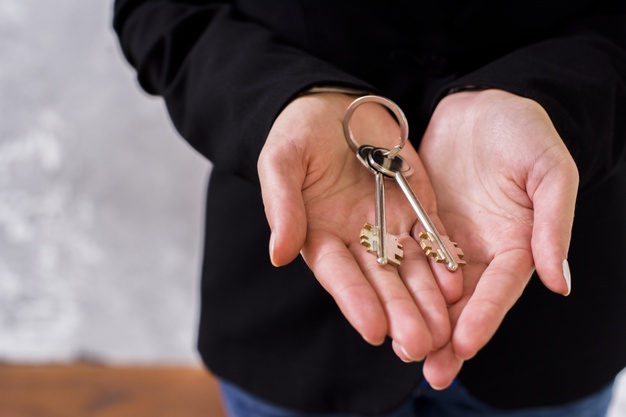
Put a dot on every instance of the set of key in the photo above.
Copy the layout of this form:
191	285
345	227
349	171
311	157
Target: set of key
388	164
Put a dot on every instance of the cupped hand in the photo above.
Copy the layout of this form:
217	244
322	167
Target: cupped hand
318	196
506	188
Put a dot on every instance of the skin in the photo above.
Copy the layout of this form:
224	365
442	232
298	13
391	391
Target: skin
507	194
506	189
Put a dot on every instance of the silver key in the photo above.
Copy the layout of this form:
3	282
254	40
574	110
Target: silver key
441	248
375	237
387	163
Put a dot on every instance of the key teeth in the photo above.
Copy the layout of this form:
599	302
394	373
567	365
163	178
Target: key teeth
427	242
456	246
398	254
367	237
370	239
369	245
397	257
459	253
428	246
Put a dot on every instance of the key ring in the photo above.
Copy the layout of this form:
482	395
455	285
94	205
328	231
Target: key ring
390	105
382	160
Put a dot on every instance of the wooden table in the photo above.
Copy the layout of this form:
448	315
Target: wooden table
88	390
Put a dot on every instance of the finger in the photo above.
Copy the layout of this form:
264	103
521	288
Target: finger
406	324
281	179
417	276
497	290
553	204
441	367
337	271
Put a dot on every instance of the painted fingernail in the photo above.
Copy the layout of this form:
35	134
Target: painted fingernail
568	276
409	357
406	354
272	241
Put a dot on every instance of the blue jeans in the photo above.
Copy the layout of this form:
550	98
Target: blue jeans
427	402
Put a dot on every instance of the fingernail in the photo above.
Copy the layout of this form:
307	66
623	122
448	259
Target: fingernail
272	241
409	357
568	276
373	342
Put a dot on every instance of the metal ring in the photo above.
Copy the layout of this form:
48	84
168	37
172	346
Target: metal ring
393	107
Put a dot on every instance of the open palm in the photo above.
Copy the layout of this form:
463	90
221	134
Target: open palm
506	189
318	196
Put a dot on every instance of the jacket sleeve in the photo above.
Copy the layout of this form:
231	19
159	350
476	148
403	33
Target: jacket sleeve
224	79
578	74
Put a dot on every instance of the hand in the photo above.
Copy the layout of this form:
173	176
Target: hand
506	188
318	196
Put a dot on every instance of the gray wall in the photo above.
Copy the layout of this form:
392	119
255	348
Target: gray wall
100	200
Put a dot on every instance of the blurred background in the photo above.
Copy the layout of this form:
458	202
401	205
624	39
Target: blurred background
101	203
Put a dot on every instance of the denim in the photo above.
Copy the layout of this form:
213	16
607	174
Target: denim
454	401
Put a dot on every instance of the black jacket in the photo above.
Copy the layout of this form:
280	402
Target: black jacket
227	68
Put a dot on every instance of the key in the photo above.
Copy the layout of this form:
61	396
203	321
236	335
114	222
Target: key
375	237
441	248
381	225
386	163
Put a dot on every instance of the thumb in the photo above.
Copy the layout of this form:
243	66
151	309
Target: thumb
281	179
554	200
